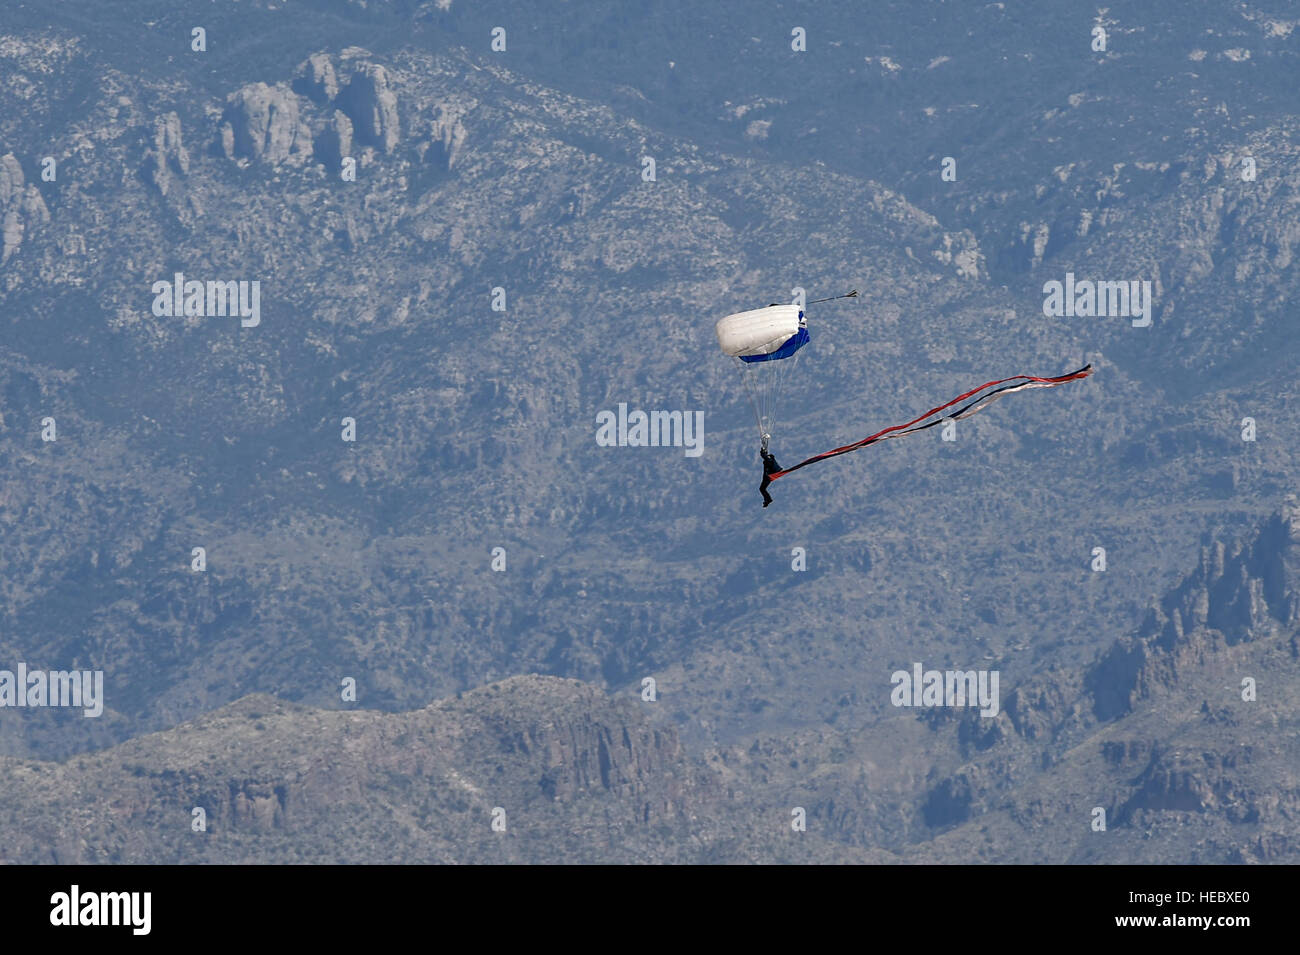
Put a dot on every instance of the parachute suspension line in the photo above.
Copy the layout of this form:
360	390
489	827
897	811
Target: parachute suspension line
780	380
764	385
785	372
752	393
768	381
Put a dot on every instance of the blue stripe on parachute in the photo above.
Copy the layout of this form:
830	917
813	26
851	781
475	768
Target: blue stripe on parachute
788	348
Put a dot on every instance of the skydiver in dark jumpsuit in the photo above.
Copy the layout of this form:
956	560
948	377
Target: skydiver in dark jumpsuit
770	467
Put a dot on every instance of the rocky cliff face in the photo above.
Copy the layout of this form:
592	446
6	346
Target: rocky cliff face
262	123
319	116
356	95
1245	590
447	134
167	158
371	105
549	752
21	207
1185	726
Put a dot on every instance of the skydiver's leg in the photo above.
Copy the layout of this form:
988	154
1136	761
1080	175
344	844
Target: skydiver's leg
767	498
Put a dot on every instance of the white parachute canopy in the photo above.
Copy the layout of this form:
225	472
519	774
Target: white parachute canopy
764	342
761	331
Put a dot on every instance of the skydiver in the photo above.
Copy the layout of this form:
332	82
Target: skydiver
770	467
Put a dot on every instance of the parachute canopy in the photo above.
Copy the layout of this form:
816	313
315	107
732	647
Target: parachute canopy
763	334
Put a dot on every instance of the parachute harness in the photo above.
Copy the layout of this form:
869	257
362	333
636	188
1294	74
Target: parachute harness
986	398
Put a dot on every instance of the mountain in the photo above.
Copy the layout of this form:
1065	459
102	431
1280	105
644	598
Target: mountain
570	776
580	777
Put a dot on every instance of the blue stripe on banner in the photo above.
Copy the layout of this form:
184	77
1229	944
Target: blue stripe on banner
791	345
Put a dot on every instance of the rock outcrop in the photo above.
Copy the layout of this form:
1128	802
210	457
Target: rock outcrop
21	207
447	136
263	123
336	141
371	106
316	79
1240	592
356	93
167	158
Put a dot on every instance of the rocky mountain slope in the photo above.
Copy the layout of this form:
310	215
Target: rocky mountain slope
564	773
582	777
